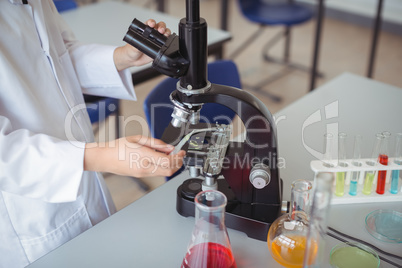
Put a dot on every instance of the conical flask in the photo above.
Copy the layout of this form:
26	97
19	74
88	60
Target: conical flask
209	246
287	235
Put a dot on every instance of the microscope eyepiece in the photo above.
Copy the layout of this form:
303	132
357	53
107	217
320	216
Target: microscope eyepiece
163	50
148	32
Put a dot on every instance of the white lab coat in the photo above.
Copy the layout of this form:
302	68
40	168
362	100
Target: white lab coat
46	198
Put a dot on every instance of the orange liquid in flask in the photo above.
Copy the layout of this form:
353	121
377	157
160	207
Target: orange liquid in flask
289	250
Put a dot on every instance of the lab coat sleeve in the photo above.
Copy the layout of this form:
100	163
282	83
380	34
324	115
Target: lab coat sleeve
39	166
95	67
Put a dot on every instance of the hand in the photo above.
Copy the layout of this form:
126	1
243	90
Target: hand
137	156
128	56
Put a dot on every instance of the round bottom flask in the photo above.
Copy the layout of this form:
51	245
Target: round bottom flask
209	246
287	239
287	236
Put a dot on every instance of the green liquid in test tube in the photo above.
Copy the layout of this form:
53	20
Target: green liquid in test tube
340	183
368	182
369	178
398	160
340	176
354	179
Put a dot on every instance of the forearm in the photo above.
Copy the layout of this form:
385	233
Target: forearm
137	156
103	157
93	159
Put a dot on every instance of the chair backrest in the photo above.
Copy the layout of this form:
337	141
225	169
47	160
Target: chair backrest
64	5
275	12
158	108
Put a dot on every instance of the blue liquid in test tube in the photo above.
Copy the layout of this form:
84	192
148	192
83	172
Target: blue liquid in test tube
353	188
398	160
355	174
394	182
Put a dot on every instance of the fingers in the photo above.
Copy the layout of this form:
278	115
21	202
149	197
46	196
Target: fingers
151	157
160	26
151	23
158	164
169	166
153	143
167	32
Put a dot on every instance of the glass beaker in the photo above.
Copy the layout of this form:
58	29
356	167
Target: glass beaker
209	246
287	234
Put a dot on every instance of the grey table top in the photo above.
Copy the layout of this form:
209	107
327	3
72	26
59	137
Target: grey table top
150	233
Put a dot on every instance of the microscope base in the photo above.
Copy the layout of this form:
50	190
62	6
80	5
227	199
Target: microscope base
252	219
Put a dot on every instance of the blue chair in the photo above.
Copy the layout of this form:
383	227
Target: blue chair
158	108
64	5
265	13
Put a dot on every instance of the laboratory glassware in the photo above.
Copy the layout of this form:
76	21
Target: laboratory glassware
328	147
353	254
318	220
383	160
397	160
385	225
287	235
209	246
369	177
340	176
354	178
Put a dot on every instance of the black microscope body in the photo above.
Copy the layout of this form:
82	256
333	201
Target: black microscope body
246	172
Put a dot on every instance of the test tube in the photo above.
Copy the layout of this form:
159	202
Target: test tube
383	160
397	160
328	146
354	178
340	176
369	177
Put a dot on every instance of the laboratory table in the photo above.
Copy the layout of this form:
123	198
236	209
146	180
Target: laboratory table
150	233
107	23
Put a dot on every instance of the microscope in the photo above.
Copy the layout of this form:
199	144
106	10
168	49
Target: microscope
245	171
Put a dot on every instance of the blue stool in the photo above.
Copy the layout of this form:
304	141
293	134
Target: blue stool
273	13
64	5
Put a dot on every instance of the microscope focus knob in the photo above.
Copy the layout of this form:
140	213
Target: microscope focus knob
260	176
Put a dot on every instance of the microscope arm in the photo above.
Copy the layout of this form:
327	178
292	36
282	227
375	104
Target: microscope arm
259	122
260	145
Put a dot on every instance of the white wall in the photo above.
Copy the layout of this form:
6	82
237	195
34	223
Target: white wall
392	9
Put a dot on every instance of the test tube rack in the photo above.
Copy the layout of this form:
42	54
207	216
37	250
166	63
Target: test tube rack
320	166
